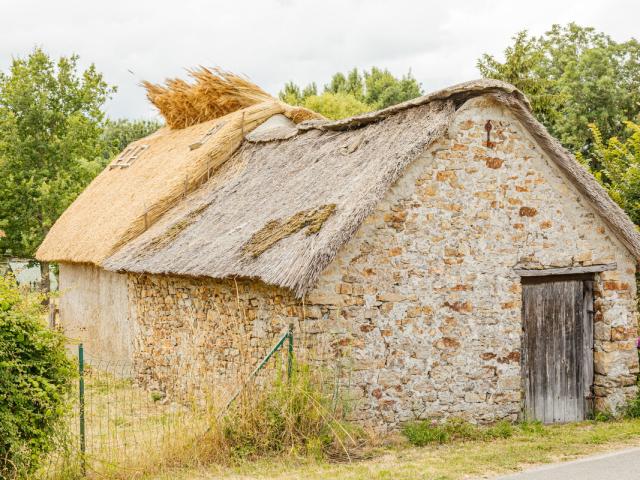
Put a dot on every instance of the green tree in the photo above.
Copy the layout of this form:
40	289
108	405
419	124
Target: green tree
35	379
51	144
525	67
353	93
619	166
336	105
382	89
573	76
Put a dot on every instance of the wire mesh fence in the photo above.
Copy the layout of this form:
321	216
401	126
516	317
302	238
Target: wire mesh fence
118	416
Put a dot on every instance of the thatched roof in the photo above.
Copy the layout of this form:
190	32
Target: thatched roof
282	205
153	174
274	181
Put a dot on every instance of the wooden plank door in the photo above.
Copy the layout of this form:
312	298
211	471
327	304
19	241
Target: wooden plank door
557	357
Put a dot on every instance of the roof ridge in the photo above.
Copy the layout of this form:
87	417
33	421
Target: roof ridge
459	93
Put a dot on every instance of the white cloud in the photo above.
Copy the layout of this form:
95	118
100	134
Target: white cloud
273	41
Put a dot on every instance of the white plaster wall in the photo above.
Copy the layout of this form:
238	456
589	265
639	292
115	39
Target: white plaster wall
94	310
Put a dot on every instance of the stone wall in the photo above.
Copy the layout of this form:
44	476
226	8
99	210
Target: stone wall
199	335
421	312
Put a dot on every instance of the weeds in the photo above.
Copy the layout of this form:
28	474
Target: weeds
603	416
632	409
293	416
532	428
426	432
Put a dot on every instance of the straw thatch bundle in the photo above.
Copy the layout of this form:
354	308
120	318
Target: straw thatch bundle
214	94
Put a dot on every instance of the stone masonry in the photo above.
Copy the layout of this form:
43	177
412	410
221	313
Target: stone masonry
420	313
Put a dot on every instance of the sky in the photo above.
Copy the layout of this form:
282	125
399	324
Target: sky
274	41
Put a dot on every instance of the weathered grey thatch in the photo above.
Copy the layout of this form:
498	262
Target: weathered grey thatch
269	181
350	163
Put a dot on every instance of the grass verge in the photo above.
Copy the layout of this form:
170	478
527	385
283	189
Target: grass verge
527	445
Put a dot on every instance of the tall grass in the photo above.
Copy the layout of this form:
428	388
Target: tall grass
286	417
293	416
290	417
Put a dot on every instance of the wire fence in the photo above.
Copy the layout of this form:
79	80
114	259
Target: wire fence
119	416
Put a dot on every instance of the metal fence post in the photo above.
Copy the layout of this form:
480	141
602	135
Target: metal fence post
290	353
83	440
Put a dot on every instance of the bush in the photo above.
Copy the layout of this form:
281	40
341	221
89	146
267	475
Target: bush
425	432
35	378
632	409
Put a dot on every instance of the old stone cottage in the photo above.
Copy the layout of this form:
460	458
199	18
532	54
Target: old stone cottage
446	252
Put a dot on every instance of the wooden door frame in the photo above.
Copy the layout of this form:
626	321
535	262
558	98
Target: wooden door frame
589	277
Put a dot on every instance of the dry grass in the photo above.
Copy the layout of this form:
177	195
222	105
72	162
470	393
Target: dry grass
266	437
128	429
530	445
133	433
213	94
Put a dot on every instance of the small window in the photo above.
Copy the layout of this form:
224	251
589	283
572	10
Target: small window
126	158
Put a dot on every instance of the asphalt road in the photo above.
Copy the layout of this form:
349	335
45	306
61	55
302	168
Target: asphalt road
622	465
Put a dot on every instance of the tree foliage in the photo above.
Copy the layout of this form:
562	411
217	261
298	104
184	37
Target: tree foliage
35	379
335	105
353	93
573	76
619	166
51	144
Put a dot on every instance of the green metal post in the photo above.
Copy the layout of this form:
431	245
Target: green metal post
83	439
288	335
290	356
